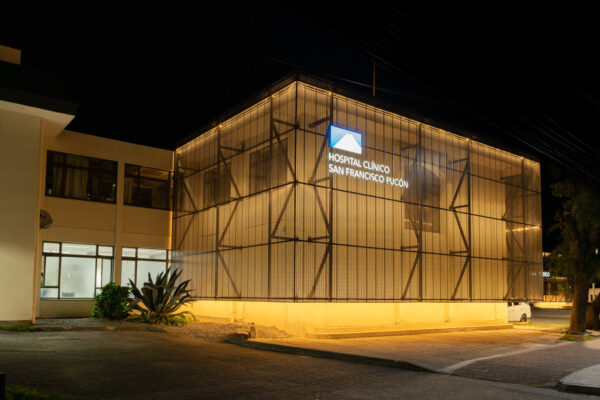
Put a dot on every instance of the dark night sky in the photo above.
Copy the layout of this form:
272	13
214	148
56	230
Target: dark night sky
524	78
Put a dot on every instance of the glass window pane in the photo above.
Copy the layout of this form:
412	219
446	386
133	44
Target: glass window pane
152	267
50	247
131	169
156	254
98	272
154	173
77	277
106	271
47	293
79	249
127	272
105	251
51	272
128	252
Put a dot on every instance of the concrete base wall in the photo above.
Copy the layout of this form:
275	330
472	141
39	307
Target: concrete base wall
301	318
65	308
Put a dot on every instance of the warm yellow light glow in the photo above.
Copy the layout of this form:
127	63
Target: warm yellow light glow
302	318
527	228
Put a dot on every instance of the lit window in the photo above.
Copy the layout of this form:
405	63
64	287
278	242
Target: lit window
78	177
137	263
74	270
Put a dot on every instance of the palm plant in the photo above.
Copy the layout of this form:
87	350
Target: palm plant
159	300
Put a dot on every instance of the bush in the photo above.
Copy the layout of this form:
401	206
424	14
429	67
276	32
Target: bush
159	300
112	302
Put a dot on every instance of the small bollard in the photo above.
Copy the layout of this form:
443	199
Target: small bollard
2	386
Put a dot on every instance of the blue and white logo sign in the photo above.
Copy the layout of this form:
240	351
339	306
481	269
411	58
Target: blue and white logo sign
343	139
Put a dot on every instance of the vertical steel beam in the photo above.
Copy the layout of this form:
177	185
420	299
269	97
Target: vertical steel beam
420	209
217	186
525	259
269	176
330	230
469	247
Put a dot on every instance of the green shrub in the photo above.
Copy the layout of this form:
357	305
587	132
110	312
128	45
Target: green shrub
112	302
159	300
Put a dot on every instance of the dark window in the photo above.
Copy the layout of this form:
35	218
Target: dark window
147	187
217	186
424	189
268	167
79	177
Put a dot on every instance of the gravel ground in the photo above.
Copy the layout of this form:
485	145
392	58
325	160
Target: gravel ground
218	330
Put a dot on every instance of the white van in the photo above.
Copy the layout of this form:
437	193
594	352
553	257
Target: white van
518	311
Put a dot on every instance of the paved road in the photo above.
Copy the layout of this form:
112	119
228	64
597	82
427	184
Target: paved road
546	316
150	365
523	356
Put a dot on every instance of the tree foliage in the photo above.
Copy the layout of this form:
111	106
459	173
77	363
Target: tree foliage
577	254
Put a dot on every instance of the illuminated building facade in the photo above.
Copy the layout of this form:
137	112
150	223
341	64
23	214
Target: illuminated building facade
309	195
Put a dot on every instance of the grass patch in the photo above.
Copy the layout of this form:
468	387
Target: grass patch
549	325
16	392
577	339
20	328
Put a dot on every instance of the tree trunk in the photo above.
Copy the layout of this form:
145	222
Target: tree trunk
592	316
580	297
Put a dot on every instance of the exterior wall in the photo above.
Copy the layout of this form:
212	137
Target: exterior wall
118	225
19	169
298	319
465	227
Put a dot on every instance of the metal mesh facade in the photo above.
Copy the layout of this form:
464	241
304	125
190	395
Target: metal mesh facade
262	212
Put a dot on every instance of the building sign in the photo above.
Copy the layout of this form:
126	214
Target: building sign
344	139
354	167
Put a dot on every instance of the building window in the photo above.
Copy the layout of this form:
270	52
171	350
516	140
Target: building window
75	271
79	177
424	191
147	187
217	186
268	167
138	262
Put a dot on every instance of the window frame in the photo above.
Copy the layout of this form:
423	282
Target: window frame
50	163
138	176
219	179
60	255
269	159
136	258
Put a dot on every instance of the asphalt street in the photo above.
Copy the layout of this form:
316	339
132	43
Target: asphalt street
546	316
152	365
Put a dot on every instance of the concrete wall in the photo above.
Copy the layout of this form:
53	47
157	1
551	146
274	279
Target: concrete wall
301	318
19	217
117	225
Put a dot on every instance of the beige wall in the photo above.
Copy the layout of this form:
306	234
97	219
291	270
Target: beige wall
90	222
19	163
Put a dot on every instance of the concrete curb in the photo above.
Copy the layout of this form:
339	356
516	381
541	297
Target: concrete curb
403	332
329	354
578	389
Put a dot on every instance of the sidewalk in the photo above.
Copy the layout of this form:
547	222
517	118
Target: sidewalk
522	356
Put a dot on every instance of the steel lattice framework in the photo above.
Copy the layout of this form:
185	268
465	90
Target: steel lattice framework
260	216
